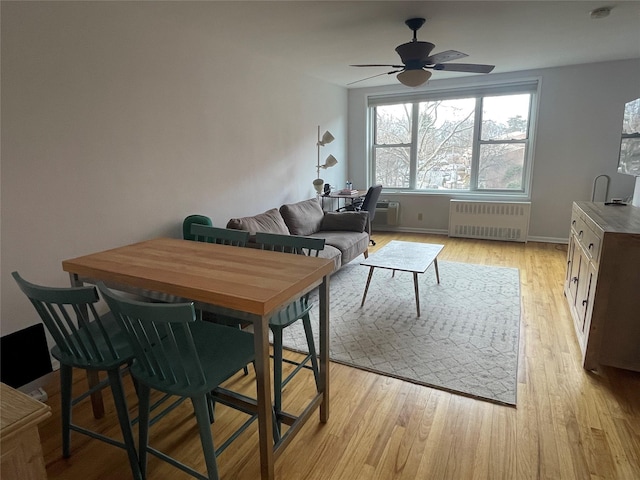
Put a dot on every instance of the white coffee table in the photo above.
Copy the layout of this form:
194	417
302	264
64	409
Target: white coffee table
404	256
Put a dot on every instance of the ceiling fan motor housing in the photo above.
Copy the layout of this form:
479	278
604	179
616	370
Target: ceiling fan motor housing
414	51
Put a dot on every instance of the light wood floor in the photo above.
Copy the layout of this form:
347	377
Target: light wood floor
568	424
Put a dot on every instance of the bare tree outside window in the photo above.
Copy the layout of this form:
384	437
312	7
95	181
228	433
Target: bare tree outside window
393	138
436	145
629	161
445	136
504	133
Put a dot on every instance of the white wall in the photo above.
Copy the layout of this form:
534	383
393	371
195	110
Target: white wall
119	119
578	138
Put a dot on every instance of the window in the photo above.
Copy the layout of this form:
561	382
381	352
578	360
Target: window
629	161
468	141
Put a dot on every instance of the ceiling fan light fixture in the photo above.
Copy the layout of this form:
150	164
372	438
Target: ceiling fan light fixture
413	78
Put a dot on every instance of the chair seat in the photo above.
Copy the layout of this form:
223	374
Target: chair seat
233	350
291	313
118	339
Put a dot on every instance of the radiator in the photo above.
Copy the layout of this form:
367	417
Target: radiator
387	213
489	220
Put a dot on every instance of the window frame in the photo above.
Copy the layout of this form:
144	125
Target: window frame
527	86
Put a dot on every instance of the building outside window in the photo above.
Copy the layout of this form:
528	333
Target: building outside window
474	141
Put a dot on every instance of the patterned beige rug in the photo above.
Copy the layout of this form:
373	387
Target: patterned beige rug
465	341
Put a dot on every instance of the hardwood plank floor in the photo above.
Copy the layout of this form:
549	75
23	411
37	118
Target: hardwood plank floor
568	424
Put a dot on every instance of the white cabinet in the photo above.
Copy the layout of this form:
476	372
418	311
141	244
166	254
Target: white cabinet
602	283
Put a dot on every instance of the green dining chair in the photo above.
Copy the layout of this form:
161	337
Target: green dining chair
177	355
193	220
87	341
297	310
222	236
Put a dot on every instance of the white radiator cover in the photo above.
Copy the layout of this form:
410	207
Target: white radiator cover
489	220
387	213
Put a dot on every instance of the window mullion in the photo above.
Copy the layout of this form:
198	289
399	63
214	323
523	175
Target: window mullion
501	142
413	151
372	139
475	147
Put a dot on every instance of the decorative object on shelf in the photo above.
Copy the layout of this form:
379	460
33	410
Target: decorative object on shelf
326	138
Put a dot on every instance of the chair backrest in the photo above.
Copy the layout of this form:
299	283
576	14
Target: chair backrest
297	244
223	236
163	344
371	199
310	246
193	220
83	338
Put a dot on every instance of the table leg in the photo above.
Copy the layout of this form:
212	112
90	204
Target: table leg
263	381
324	349
366	288
415	286
435	264
97	403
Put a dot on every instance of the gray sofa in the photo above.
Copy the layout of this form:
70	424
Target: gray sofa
344	233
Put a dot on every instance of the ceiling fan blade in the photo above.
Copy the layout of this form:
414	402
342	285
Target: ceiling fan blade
378	65
374	76
464	67
445	56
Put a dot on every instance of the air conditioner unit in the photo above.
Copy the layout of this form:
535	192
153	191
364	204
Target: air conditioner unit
387	213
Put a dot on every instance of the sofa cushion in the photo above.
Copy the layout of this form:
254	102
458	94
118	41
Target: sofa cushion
350	244
270	222
332	253
303	218
349	221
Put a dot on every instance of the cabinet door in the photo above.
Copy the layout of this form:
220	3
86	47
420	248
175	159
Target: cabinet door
573	270
570	254
583	294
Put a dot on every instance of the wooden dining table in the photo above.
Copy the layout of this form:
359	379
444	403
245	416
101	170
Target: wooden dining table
247	283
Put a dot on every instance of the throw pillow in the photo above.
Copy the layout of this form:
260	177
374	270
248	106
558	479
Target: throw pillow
270	222
349	221
303	218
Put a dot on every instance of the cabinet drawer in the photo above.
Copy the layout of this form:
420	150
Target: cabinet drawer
590	242
586	234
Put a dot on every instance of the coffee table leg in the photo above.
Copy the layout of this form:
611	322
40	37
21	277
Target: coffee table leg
415	285
366	288
435	264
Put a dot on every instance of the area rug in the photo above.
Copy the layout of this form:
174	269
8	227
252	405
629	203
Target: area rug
465	341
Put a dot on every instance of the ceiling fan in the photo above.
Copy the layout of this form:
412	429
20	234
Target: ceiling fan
416	57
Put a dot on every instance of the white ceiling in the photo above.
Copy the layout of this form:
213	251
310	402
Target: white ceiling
324	37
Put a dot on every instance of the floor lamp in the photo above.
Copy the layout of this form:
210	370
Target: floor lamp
329	162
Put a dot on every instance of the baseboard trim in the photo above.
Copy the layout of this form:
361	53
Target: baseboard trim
411	230
564	241
530	238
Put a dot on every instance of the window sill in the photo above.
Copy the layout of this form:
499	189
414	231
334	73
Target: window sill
458	195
